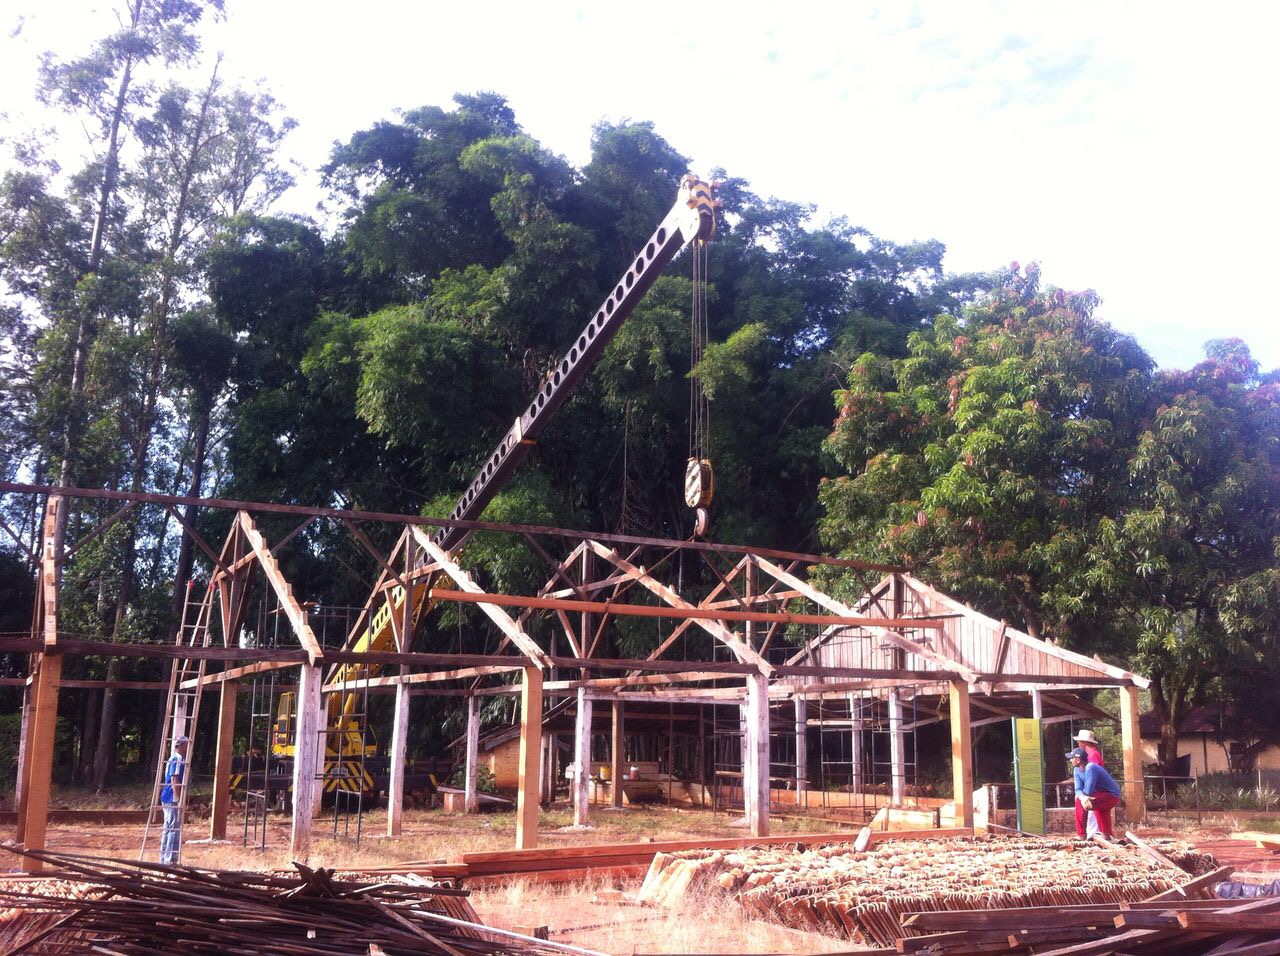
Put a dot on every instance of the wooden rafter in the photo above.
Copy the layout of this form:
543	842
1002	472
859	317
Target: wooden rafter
660	590
284	591
499	617
893	637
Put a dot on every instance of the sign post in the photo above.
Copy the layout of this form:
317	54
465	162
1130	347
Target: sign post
1028	774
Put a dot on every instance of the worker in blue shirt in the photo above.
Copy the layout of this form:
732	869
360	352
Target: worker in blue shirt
1096	790
175	774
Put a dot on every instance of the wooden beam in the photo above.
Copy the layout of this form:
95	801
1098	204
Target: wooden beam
308	756
523	641
431	677
399	748
284	591
961	753
617	753
530	747
800	706
49	574
897	756
221	803
96	530
1135	804
471	789
713	627
235	673
582	761
882	630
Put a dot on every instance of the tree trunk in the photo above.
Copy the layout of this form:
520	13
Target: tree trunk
203	412
105	757
89	735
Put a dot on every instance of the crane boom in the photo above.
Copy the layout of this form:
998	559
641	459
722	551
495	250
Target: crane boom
692	217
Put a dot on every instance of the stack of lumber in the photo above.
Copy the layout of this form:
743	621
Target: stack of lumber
617	860
132	908
1184	925
836	889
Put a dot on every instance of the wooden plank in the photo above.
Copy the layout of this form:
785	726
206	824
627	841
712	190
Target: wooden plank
712	627
530	750
307	759
499	617
1151	853
284	591
1226	920
471	799
221	802
961	752
1199	883
1135	806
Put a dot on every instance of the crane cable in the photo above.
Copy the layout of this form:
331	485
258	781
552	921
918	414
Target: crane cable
699	479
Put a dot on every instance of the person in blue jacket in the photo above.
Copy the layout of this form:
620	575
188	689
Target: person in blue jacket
175	773
1096	790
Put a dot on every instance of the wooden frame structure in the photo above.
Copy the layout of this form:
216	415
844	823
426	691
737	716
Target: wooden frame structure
732	630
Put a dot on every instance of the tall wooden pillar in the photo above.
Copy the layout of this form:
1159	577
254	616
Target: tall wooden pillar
582	761
28	699
222	760
471	788
1037	705
617	753
897	756
961	753
308	757
802	750
33	811
398	756
758	752
855	743
748	766
530	745
1135	803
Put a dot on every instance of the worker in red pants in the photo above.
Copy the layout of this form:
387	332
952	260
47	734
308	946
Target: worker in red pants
1096	790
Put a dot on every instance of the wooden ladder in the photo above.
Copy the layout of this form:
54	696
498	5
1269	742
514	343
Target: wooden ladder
182	708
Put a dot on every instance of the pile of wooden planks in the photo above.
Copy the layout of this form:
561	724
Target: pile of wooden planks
132	908
836	889
1172	922
616	860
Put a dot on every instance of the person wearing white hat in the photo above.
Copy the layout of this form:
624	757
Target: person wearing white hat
1089	743
171	800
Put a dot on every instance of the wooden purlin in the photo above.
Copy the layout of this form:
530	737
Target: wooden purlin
284	591
465	582
838	607
714	628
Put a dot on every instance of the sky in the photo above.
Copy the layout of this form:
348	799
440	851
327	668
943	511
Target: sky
1126	147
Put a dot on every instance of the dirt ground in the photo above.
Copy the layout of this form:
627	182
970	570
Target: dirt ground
701	925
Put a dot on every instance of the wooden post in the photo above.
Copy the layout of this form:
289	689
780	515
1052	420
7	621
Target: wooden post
530	740
1135	803
961	753
855	744
222	760
398	755
802	750
758	732
582	762
1037	705
897	757
308	756
748	767
24	753
471	789
617	754
33	812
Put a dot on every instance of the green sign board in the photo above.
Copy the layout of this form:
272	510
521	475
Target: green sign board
1028	774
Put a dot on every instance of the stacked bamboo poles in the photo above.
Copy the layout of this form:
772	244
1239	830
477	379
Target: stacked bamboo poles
864	895
133	908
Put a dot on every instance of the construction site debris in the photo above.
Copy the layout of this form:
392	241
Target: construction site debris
102	905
